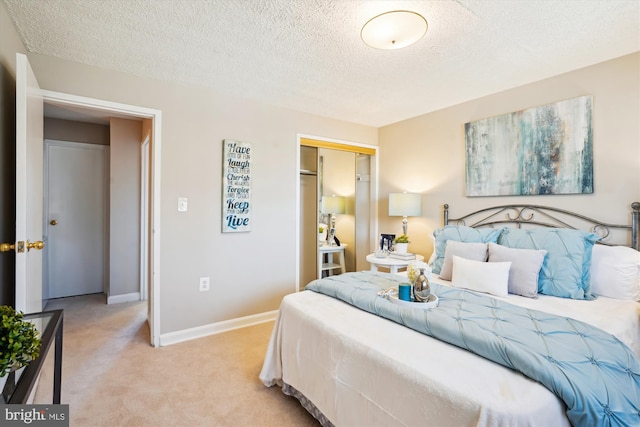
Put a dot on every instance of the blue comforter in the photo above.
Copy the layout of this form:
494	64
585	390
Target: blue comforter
595	374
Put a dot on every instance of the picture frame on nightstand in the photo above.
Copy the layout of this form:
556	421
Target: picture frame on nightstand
386	242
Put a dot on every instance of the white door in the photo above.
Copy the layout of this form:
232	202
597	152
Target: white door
75	207
29	137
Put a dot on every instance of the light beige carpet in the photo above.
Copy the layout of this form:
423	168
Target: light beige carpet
111	376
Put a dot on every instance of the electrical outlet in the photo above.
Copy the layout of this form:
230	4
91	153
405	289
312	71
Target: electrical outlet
204	284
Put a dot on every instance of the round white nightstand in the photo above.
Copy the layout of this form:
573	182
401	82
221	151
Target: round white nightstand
391	263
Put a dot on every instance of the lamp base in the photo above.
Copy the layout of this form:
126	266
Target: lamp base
332	230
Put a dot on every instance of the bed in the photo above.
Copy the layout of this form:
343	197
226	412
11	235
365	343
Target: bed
353	367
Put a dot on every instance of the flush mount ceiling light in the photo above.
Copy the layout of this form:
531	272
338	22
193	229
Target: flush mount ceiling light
394	30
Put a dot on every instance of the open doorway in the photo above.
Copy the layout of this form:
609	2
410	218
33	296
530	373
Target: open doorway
79	109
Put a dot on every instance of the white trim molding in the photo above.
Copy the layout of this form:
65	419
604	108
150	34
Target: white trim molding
117	299
216	328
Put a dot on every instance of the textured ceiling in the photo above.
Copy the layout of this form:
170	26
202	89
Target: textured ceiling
307	55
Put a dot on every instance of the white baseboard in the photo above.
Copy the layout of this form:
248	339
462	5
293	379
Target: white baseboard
216	328
117	299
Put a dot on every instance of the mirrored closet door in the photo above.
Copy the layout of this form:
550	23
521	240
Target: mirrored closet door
335	195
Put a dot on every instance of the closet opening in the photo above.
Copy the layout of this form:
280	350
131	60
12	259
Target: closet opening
337	195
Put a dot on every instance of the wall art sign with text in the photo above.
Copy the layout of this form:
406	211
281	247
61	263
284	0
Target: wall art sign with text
541	150
236	186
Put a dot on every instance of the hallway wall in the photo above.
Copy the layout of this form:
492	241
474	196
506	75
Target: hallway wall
124	216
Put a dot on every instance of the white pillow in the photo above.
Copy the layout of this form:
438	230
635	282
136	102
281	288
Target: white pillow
615	272
488	277
525	268
475	251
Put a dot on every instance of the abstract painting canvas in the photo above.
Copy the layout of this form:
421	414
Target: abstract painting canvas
541	150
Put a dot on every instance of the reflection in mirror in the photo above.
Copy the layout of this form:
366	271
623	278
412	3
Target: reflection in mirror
326	172
338	175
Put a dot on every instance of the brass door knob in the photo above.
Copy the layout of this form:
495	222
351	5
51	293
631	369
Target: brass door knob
17	246
53	222
38	245
6	247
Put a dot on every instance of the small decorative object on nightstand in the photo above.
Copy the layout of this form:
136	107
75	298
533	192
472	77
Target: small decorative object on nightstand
386	242
402	256
401	244
381	253
322	233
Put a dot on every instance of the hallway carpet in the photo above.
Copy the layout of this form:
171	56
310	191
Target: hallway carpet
111	376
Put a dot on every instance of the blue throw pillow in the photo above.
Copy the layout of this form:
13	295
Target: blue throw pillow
459	233
566	269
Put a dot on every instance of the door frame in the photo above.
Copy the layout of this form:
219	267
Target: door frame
336	144
144	217
126	110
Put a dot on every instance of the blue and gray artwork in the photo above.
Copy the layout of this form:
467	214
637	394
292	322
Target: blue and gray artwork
542	150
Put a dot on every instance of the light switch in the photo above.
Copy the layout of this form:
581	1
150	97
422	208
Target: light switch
182	204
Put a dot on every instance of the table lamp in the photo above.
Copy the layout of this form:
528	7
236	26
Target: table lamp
332	205
404	205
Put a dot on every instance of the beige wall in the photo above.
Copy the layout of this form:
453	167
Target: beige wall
65	130
124	207
426	154
250	272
